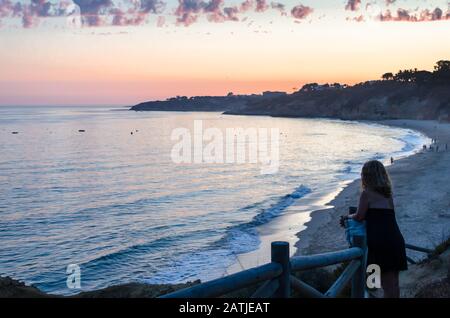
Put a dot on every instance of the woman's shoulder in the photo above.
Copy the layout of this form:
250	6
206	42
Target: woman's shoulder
372	194
377	200
365	193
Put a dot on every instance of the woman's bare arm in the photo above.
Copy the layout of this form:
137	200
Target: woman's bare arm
363	206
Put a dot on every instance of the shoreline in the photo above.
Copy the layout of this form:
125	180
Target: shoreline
423	216
321	233
298	217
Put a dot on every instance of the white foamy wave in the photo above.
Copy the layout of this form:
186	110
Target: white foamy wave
239	239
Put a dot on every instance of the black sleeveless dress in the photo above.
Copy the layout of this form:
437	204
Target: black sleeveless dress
385	243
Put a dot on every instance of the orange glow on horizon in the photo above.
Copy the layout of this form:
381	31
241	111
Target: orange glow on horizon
63	67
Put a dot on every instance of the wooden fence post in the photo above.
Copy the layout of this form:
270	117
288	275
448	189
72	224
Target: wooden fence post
280	254
359	279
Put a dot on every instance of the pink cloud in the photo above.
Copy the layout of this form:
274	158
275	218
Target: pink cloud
261	6
359	18
188	11
28	19
36	9
92	12
353	5
300	12
138	14
231	13
121	18
406	16
9	9
246	5
152	6
161	21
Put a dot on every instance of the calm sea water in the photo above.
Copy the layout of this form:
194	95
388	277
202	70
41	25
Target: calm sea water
115	204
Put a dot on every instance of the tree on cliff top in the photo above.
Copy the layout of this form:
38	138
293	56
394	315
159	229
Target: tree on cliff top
442	71
387	76
442	66
441	74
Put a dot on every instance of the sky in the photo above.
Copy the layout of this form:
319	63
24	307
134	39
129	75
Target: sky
122	52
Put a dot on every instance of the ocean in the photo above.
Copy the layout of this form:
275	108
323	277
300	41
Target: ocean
98	187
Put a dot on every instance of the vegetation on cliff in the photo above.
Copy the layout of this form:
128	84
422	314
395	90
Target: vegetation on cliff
407	94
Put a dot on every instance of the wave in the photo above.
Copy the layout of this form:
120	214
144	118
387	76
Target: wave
241	238
265	215
411	141
238	239
346	169
204	262
139	249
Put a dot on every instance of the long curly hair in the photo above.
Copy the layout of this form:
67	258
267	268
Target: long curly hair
375	177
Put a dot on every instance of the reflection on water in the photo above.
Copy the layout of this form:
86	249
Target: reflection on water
114	203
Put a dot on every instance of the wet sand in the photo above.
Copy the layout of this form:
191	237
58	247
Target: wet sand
421	193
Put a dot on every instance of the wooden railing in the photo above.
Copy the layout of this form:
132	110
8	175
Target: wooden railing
417	249
278	279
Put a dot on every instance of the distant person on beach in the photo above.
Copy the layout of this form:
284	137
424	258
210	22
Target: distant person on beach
385	243
392	160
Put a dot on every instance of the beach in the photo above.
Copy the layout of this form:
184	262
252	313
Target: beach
423	216
133	223
421	197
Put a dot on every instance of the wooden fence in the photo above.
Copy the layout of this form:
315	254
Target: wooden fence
417	249
278	279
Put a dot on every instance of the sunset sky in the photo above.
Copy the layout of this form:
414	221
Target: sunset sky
121	52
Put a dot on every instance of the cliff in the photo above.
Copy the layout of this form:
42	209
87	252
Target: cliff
200	103
409	94
375	100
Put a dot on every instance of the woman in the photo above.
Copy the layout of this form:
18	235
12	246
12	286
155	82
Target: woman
386	246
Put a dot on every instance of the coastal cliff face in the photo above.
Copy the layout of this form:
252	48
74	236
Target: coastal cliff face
199	103
375	100
408	94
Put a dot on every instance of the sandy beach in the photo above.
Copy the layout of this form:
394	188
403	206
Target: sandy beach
421	195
